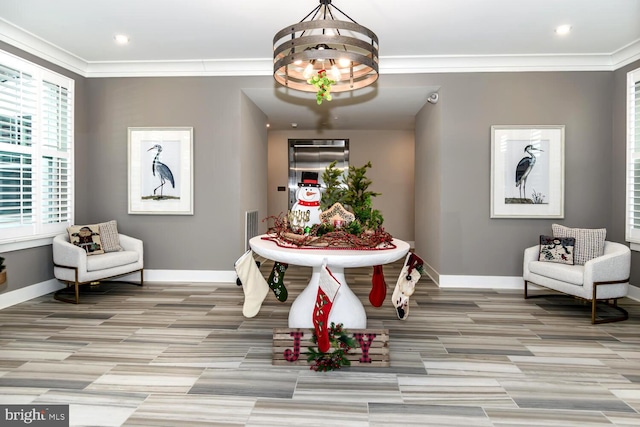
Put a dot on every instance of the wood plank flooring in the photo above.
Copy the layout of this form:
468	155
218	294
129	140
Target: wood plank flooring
182	354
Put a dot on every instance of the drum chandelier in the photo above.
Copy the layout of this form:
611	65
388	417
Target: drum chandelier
347	51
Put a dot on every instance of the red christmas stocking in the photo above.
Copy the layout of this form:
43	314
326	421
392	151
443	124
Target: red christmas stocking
379	287
327	291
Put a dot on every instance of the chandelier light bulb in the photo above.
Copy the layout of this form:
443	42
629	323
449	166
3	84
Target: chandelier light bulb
308	71
335	73
344	62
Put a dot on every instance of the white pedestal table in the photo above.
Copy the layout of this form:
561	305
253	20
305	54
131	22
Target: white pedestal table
347	308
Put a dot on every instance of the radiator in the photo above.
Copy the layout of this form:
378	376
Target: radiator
250	227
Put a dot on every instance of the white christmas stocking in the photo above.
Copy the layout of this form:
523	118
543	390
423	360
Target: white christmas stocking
406	284
253	284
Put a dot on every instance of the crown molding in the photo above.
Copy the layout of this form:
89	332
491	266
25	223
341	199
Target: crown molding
494	63
626	55
30	43
198	67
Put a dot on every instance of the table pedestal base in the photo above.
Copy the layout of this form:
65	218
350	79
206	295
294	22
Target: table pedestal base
347	308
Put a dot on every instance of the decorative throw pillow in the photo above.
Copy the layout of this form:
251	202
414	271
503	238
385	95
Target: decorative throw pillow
557	249
589	242
87	237
110	237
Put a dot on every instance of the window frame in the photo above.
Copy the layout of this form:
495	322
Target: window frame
42	231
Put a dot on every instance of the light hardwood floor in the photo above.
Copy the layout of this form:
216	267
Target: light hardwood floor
182	354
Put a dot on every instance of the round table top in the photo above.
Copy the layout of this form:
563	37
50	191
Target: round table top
345	258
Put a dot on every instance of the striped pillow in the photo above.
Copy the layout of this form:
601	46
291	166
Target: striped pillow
109	236
589	241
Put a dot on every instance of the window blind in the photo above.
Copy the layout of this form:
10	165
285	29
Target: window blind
633	157
36	151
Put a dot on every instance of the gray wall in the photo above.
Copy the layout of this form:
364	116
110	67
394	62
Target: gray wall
29	266
392	169
428	193
228	130
472	243
253	162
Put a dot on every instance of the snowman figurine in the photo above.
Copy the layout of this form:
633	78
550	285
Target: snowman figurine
305	212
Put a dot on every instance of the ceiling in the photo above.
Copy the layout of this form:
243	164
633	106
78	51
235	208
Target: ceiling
212	37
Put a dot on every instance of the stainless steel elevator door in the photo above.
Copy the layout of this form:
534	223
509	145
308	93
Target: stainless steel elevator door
314	155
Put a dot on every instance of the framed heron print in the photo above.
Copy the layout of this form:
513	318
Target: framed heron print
161	170
527	171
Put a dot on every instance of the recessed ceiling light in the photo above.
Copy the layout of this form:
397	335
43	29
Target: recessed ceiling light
121	39
563	29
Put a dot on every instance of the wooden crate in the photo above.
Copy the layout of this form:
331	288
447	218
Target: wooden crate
284	347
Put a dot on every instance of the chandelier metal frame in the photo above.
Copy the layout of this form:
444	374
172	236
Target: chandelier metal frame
320	41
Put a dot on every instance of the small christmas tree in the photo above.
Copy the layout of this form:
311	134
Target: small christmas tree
353	194
359	198
334	191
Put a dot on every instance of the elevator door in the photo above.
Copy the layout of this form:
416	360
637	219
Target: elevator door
314	155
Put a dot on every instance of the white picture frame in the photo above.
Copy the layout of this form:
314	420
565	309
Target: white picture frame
160	179
527	171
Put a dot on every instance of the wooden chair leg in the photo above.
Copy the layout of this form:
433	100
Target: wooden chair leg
525	290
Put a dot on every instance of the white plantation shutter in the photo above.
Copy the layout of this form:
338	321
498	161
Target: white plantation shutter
36	151
56	144
633	158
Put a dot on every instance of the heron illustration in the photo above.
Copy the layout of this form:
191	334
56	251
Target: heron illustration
525	165
163	171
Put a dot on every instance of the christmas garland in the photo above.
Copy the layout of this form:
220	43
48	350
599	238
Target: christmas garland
370	239
341	344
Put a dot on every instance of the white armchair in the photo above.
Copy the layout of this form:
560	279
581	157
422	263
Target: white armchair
73	266
605	278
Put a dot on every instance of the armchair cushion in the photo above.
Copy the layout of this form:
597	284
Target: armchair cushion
589	242
111	260
557	249
573	274
86	237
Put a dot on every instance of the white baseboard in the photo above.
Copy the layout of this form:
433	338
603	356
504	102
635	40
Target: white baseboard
183	276
502	282
634	293
481	282
27	293
10	298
